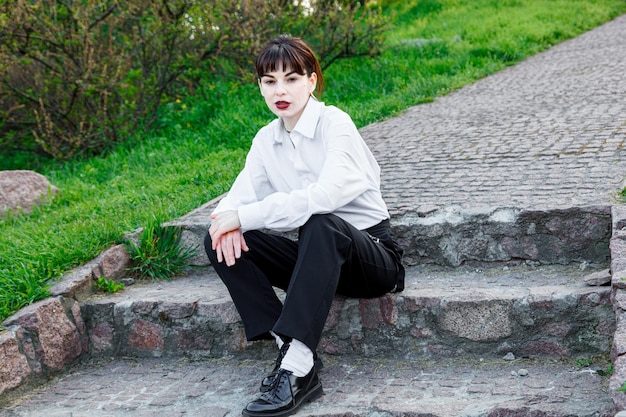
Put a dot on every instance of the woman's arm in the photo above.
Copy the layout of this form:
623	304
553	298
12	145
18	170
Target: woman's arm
227	237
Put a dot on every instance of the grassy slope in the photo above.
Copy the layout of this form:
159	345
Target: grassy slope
433	48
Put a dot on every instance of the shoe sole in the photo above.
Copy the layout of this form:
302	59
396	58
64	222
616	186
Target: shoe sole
312	395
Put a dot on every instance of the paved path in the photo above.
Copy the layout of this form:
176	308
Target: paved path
221	388
546	133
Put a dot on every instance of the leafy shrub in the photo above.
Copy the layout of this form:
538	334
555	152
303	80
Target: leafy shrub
160	253
78	77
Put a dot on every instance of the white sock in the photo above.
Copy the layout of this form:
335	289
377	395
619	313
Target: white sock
299	359
279	340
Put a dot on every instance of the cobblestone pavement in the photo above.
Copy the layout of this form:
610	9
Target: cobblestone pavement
354	387
546	133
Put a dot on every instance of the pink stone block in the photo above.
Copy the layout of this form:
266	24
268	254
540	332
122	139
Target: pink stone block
58	341
101	337
14	369
377	311
145	336
113	263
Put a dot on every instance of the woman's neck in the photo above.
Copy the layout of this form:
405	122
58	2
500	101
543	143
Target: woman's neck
289	127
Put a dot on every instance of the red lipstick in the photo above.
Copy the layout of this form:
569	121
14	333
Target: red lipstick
282	105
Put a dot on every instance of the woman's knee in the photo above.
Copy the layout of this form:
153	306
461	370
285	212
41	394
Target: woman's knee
326	228
319	221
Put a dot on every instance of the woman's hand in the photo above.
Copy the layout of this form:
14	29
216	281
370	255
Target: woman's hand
227	238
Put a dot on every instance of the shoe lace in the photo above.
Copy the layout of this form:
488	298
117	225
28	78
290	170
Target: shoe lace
282	378
282	353
279	381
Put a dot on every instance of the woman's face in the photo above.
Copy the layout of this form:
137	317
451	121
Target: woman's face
286	93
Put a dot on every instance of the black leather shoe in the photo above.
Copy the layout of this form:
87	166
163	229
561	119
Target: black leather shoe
269	378
285	395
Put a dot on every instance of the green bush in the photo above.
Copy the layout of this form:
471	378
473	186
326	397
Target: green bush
78	77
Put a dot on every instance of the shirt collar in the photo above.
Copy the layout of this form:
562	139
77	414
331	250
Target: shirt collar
306	123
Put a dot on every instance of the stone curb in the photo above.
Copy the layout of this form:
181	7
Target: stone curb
44	338
28	346
618	296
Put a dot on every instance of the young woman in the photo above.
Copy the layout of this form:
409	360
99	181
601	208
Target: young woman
309	170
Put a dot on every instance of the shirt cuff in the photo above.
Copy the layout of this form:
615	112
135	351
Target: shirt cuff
251	217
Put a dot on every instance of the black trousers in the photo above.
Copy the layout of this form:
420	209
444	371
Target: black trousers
330	257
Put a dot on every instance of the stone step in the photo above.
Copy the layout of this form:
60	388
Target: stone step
482	310
531	306
452	235
353	386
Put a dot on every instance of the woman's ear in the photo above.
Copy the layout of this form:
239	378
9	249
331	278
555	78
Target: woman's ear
258	80
312	82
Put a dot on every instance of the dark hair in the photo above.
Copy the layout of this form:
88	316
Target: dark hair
292	53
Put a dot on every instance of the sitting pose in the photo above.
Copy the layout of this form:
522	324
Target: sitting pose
309	170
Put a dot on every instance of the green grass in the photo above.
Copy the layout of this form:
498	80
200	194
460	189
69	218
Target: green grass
108	285
433	48
159	254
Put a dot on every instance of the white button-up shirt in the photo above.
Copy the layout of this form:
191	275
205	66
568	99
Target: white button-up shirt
322	166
